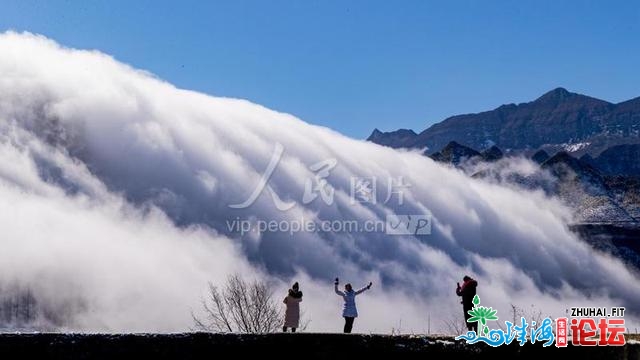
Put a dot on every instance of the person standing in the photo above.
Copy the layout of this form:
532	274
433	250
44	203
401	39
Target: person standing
292	313
349	311
468	291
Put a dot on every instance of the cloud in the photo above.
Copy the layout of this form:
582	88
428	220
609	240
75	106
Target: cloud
117	188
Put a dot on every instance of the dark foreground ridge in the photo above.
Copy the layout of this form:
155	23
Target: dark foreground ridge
301	345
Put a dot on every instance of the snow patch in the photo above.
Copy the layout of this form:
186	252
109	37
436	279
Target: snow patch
575	147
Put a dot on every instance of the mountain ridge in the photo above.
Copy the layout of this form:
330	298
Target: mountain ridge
556	120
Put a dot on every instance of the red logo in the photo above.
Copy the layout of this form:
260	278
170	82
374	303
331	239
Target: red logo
585	331
561	332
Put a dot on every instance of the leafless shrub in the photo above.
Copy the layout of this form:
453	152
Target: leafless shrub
240	306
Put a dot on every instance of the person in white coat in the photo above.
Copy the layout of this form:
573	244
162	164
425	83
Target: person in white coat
349	311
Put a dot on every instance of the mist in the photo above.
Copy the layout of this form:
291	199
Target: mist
117	190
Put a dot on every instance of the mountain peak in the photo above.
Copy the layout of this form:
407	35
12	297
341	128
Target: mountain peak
564	158
556	95
561	95
397	138
560	91
455	153
540	156
492	154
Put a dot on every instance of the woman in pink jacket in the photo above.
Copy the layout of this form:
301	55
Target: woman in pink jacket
292	314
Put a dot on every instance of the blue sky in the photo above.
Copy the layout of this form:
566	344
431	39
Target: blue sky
357	65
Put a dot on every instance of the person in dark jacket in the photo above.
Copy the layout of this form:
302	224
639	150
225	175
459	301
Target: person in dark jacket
468	291
292	313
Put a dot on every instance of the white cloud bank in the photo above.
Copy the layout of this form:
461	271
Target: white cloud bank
114	200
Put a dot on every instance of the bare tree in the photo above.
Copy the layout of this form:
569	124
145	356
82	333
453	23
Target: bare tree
240	306
304	321
532	314
455	325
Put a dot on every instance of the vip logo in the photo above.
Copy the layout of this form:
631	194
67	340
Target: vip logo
408	224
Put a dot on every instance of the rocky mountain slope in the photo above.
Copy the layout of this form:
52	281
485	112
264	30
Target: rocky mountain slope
606	208
593	194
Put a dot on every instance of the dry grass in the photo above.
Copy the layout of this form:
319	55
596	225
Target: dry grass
632	337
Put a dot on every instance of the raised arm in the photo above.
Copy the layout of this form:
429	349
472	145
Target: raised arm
335	288
363	289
